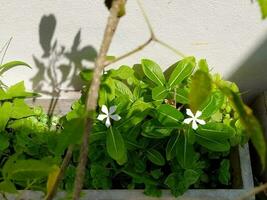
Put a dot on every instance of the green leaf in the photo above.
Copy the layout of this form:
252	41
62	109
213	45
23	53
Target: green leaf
224	172
172	146
4	142
106	92
115	144
248	120
215	136
159	93
5	110
153	129
185	152
71	134
7	66
168	115
136	113
181	95
203	65
200	89
155	157
212	105
183	70
29	169
16	91
87	75
123	90
263	7
153	71
124	73
7	186
20	109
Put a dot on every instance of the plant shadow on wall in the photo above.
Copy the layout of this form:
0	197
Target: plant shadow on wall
251	74
59	65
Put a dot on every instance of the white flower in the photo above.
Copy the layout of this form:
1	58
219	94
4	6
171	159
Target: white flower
108	114
194	119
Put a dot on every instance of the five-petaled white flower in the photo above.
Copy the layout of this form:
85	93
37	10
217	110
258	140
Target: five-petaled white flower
108	114
194	119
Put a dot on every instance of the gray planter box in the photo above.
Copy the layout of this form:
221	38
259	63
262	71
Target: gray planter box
192	194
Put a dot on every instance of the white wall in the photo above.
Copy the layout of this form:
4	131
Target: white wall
227	33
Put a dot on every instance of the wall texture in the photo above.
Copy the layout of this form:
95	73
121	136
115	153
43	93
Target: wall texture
229	34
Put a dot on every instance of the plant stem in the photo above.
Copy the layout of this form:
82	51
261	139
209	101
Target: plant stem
60	175
92	94
254	191
170	47
139	48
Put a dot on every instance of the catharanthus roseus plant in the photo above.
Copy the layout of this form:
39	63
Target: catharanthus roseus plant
171	129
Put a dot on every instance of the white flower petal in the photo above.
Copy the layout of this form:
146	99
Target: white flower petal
108	122
189	113
104	109
112	109
194	125
198	114
201	121
115	117
188	120
101	117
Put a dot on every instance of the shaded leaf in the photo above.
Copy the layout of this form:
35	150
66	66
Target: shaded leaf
115	144
155	157
200	89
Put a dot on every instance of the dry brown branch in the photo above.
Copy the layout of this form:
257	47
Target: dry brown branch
60	175
254	191
92	95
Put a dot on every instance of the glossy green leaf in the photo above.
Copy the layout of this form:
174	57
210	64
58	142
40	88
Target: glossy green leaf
212	104
153	71
181	95
168	115
115	144
200	89
171	146
183	70
155	157
263	7
214	136
153	129
185	152
7	66
123	90
159	93
134	115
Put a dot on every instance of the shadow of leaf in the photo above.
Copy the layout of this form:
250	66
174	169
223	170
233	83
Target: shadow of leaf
46	31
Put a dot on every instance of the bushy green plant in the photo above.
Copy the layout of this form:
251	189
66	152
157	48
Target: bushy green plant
155	129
